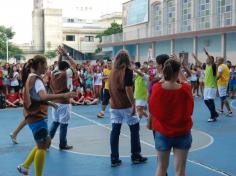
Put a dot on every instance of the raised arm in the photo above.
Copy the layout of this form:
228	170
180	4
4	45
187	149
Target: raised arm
196	59
70	59
136	71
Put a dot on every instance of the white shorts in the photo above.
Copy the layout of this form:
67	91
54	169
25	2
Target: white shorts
209	93
62	113
141	103
222	91
118	115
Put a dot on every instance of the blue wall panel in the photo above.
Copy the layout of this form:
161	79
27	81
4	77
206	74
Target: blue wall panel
131	49
116	49
212	43
184	45
163	47
231	42
143	50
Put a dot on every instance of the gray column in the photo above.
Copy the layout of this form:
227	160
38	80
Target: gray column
137	58
195	46
172	46
223	45
153	49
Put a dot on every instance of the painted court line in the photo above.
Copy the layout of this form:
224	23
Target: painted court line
108	128
232	104
148	144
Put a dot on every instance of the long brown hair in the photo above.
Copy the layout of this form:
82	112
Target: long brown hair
171	68
32	63
122	62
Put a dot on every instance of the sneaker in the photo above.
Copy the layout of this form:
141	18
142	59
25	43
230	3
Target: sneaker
115	163
139	160
13	139
100	115
211	120
67	147
216	115
22	170
229	114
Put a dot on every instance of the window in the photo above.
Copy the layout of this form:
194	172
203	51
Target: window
224	13
171	17
157	18
70	20
70	38
186	15
203	19
89	38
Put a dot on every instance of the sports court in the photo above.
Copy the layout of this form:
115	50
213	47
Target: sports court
212	153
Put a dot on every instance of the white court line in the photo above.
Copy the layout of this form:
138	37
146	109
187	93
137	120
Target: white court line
231	103
108	128
146	143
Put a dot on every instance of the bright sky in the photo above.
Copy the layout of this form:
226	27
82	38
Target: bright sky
17	14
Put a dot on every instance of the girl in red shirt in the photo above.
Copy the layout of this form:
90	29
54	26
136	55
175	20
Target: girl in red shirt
79	99
12	99
171	106
90	98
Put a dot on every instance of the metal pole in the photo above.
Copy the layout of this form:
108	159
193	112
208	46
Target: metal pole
7	47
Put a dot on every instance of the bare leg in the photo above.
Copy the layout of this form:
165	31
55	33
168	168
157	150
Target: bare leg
180	158
17	130
227	105
163	163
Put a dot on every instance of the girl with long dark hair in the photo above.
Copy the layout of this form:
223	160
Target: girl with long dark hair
36	112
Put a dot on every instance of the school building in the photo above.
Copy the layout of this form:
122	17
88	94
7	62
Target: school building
152	27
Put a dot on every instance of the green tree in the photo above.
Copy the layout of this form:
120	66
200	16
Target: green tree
113	29
51	54
13	50
98	50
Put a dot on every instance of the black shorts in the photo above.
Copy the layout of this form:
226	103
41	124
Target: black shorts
105	97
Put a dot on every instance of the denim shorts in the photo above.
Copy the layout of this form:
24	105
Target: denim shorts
163	143
40	130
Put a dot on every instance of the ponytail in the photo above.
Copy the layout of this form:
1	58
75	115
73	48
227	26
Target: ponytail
26	71
214	69
213	65
171	68
32	63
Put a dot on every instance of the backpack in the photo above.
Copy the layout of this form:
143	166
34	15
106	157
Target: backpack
2	101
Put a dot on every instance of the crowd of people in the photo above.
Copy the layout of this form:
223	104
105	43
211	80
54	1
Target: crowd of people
132	89
90	83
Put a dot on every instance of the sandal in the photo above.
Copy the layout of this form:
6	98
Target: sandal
13	139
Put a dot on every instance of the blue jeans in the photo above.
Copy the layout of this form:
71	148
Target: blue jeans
211	106
63	132
135	140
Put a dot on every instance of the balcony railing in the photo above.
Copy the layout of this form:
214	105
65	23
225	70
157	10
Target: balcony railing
194	24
